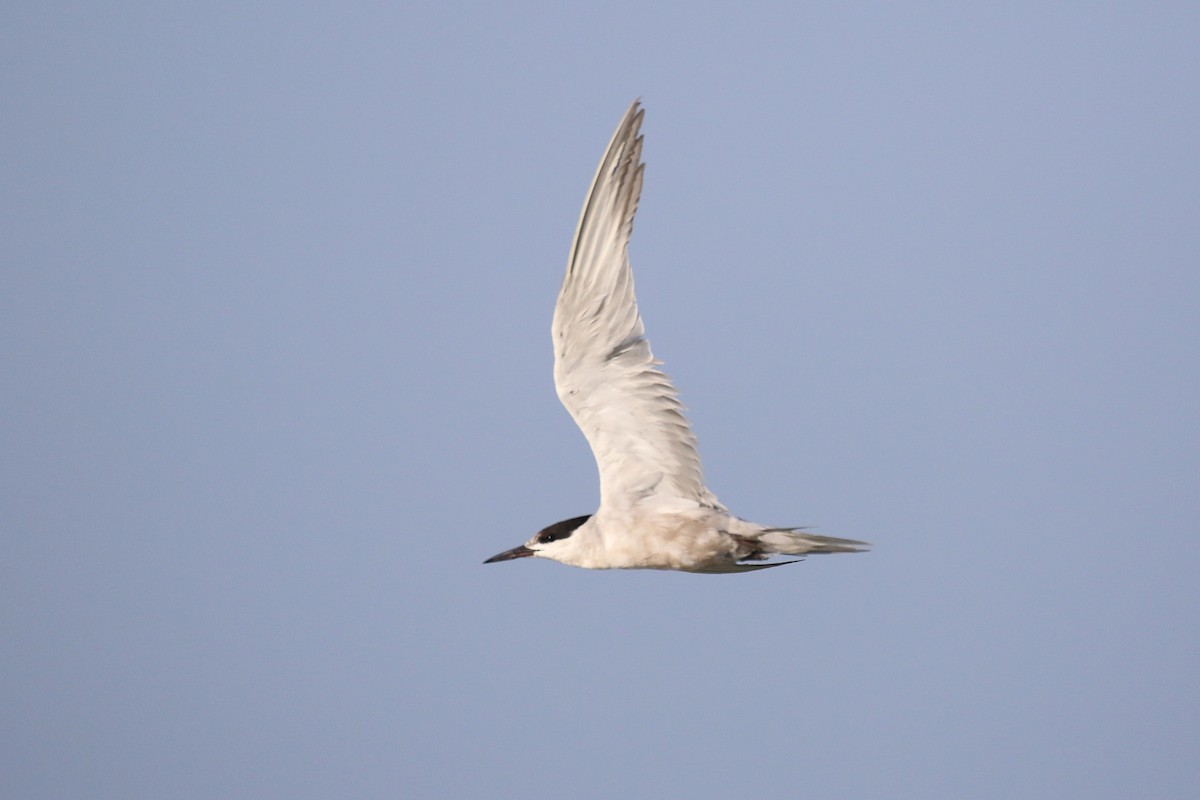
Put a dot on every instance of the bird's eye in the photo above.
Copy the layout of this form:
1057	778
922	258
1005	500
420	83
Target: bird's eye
559	530
553	534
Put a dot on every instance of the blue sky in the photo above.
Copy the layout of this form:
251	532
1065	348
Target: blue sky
276	296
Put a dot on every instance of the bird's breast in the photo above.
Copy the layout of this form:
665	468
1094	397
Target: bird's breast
665	541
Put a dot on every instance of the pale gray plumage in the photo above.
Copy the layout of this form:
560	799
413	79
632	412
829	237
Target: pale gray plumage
655	511
603	368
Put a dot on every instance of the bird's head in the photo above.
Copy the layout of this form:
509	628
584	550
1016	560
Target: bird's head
554	542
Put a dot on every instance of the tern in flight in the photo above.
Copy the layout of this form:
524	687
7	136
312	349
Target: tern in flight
655	511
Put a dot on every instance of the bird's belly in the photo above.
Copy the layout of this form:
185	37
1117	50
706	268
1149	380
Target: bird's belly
678	544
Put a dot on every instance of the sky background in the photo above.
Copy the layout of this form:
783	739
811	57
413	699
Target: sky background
275	302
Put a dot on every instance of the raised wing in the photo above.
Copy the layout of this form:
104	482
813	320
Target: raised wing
603	369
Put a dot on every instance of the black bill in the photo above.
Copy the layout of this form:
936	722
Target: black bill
509	555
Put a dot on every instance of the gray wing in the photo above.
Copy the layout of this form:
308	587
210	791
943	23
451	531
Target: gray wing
603	369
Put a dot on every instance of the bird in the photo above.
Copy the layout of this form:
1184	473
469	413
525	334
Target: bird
655	511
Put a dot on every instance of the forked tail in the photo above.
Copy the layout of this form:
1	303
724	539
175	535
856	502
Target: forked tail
796	542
